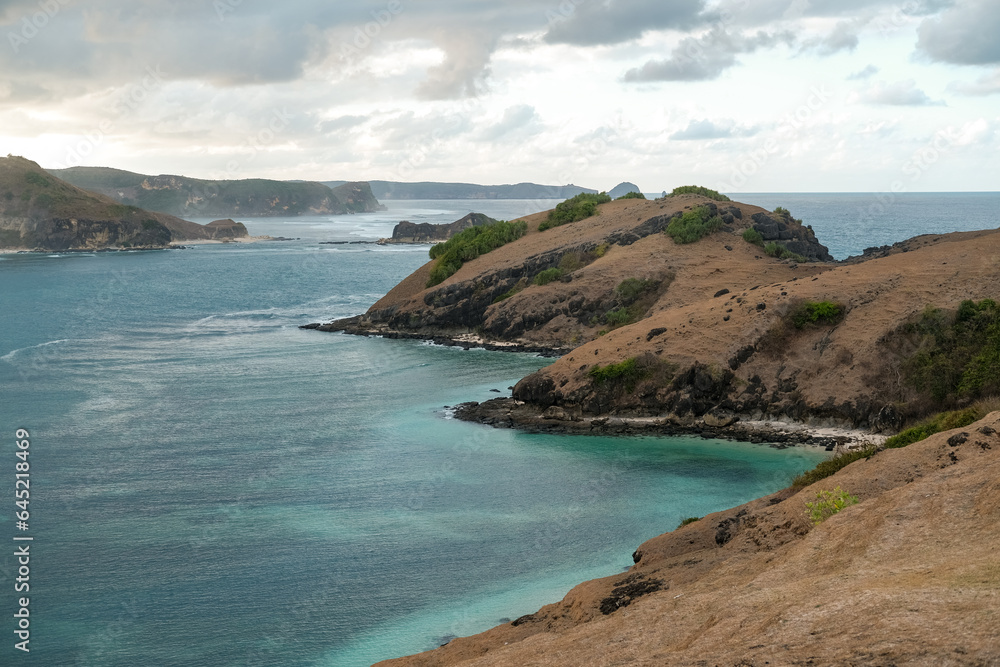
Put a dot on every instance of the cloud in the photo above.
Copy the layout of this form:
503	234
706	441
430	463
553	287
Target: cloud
988	84
700	130
705	57
965	34
519	120
464	70
866	73
901	93
844	37
594	22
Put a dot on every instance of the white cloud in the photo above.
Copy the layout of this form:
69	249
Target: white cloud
901	93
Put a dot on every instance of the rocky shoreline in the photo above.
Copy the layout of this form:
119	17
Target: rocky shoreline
511	413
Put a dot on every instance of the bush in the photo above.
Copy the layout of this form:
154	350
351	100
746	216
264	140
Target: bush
634	296
829	467
693	225
36	179
829	503
956	357
619	317
944	421
470	244
774	249
547	276
816	312
690	519
576	208
751	235
627	372
632	195
699	190
631	290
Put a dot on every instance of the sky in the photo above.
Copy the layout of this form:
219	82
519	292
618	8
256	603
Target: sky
737	95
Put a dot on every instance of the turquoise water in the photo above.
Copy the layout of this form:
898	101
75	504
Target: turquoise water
213	486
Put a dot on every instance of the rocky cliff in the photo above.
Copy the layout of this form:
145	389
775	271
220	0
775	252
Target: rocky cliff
41	212
192	197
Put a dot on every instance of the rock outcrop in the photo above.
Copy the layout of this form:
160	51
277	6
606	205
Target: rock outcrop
425	232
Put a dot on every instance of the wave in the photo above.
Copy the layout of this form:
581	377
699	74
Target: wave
13	353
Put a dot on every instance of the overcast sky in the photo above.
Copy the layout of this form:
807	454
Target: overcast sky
739	95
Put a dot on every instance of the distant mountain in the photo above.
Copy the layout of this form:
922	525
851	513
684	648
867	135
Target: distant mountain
193	197
41	212
623	189
430	190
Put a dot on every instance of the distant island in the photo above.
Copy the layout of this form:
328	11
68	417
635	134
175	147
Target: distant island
425	232
623	189
198	198
41	212
428	190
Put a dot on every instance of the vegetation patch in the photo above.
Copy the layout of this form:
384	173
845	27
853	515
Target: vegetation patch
775	249
694	225
699	190
690	519
830	467
632	195
576	208
627	372
816	312
751	235
548	275
633	297
829	503
943	421
518	287
955	357
470	244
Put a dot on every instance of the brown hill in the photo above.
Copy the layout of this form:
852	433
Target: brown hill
40	212
909	575
699	329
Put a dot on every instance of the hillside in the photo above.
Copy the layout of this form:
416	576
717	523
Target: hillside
428	190
192	197
41	212
909	575
677	333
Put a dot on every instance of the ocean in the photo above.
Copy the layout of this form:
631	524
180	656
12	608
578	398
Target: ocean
212	486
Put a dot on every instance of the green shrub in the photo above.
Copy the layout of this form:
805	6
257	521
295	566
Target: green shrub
470	244
774	249
829	503
150	224
956	357
633	296
511	292
751	235
699	190
547	276
816	312
944	421
36	179
619	317
576	208
690	519
631	290
627	371
829	467
632	195
693	225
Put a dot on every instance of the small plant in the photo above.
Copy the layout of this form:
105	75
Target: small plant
816	312
619	317
699	190
775	249
829	503
694	225
576	208
547	276
690	519
632	195
751	235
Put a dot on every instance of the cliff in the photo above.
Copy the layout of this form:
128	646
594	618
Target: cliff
430	190
192	197
425	232
41	212
908	575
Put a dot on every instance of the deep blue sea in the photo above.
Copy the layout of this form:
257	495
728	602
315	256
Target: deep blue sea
211	486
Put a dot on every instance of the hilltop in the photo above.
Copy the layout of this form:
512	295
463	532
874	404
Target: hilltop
193	197
41	212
